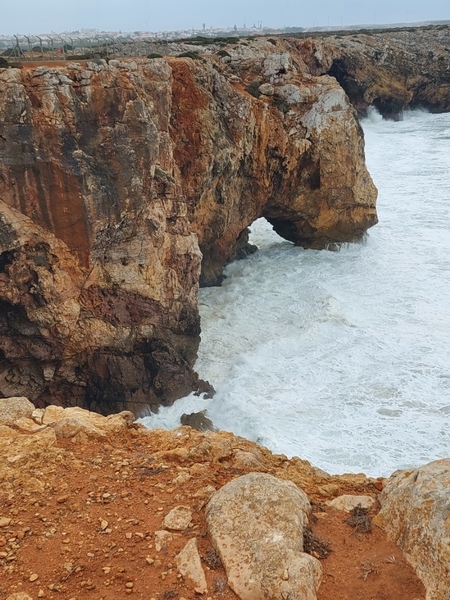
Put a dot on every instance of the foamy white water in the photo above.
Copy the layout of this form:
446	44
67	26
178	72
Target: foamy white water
343	358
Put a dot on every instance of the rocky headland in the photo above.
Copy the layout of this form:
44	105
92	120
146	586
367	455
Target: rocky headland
124	185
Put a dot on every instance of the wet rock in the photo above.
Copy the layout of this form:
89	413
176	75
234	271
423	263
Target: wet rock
256	525
415	513
198	420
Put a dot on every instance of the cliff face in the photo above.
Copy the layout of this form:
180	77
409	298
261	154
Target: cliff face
391	70
116	178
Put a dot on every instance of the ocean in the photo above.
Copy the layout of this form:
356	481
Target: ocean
343	358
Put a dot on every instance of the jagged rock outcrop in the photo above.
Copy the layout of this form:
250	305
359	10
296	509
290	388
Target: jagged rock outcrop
116	178
392	69
415	513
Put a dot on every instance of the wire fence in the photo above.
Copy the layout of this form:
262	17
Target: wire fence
21	48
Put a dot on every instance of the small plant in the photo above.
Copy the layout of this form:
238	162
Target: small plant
212	559
253	89
192	55
281	104
223	53
359	519
163	175
369	567
155	55
312	544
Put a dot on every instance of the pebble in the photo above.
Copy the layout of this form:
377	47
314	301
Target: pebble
34	577
4	521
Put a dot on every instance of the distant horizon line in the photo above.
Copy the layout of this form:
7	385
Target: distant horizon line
236	29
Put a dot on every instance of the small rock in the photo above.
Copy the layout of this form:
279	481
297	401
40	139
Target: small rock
4	521
178	518
12	409
347	502
198	420
161	539
33	577
266	89
328	490
190	566
19	596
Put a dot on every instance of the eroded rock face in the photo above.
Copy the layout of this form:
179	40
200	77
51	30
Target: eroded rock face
391	70
116	179
256	525
415	513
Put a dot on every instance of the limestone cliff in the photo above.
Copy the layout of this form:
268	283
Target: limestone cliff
116	178
392	70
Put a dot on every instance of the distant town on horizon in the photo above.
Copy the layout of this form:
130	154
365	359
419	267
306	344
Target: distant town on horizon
255	29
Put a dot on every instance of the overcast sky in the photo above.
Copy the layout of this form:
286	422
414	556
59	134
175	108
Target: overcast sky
34	16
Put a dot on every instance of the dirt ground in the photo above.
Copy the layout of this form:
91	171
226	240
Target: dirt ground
90	534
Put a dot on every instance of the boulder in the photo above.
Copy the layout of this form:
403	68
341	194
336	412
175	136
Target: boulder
68	422
14	408
415	513
256	524
348	502
72	427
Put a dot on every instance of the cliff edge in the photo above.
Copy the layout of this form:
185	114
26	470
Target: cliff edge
124	185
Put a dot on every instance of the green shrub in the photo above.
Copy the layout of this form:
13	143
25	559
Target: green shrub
223	53
281	104
155	55
163	175
253	88
193	55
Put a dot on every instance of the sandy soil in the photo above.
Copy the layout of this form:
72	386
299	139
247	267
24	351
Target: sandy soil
90	534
